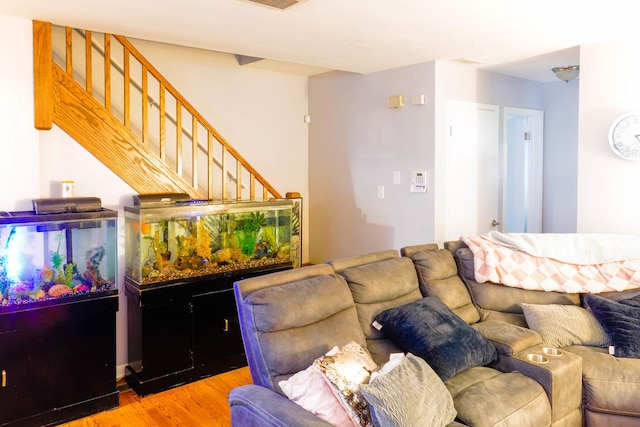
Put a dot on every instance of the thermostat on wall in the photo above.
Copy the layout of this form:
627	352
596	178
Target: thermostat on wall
418	182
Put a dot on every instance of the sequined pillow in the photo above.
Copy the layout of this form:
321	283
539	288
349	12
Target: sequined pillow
345	370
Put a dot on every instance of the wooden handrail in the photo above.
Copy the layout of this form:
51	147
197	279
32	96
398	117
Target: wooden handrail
178	96
199	152
160	104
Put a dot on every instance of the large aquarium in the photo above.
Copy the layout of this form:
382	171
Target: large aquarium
56	256
180	240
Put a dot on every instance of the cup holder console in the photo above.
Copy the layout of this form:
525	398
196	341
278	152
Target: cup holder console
552	351
537	358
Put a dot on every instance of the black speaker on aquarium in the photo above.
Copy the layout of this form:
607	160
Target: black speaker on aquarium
66	205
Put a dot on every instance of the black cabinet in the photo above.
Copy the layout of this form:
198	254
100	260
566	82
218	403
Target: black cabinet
184	331
217	342
57	361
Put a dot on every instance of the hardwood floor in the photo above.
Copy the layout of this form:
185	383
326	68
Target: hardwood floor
202	403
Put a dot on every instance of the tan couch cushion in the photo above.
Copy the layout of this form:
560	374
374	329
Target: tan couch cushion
381	285
290	318
507	338
378	282
486	397
438	277
611	384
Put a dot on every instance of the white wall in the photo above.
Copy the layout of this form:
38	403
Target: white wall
355	145
19	171
608	195
263	110
560	196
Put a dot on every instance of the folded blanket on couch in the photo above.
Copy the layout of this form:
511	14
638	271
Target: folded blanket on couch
572	248
585	263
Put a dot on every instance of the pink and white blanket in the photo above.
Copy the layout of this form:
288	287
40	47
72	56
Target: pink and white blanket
571	263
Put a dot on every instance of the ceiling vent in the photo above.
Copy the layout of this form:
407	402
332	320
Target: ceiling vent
279	4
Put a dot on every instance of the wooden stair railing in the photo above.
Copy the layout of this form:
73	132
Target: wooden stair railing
123	129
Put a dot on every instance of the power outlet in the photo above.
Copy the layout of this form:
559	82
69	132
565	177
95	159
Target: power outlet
380	192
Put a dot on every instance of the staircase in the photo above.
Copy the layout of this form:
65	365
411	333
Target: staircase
140	127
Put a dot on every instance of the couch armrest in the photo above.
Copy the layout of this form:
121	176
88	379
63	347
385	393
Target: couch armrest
561	377
257	406
507	338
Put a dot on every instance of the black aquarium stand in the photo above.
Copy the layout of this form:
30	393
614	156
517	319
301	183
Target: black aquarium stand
58	360
183	331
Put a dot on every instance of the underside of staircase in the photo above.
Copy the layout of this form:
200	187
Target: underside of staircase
114	122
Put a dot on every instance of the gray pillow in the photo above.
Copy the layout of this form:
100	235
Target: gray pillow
561	325
410	395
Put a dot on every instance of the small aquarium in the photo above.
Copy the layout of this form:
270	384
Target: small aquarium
53	256
176	240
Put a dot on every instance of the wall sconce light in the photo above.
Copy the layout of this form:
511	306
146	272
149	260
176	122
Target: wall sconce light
395	101
567	72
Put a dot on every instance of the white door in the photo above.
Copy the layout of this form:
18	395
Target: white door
522	170
472	191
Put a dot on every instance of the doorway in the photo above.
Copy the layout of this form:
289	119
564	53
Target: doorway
522	150
472	169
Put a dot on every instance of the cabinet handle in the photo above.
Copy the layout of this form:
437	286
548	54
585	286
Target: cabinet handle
226	326
4	378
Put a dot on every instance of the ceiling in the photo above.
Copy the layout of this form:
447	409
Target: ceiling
522	38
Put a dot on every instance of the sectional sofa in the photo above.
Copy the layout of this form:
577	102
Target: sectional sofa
611	385
425	301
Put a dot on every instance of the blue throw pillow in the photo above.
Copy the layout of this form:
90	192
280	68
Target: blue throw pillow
429	329
620	320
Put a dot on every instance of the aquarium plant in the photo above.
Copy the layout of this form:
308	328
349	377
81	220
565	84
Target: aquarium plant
252	224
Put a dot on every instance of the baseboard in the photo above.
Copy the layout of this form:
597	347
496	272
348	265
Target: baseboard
120	372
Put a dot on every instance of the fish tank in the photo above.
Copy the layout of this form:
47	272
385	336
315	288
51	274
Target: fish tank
177	240
49	257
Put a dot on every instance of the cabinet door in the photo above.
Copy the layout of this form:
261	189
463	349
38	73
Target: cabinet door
217	338
85	351
26	383
56	356
166	339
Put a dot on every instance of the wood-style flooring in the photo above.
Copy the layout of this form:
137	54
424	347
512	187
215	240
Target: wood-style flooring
202	403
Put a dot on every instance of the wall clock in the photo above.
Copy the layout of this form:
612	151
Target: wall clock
624	136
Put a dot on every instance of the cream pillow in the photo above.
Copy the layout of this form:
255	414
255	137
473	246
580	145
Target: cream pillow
310	390
561	325
410	395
